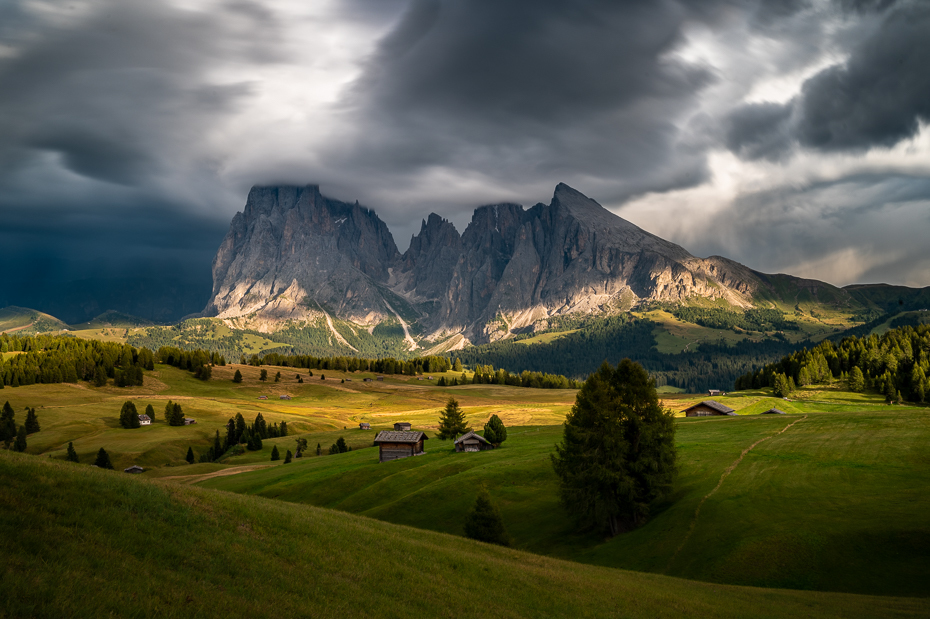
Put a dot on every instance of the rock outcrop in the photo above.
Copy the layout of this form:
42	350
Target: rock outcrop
295	254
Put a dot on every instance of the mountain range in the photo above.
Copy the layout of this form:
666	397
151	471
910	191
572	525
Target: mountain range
294	256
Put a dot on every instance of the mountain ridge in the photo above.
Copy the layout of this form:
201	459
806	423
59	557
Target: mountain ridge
295	256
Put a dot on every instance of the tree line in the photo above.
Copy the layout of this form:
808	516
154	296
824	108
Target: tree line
67	359
709	365
896	364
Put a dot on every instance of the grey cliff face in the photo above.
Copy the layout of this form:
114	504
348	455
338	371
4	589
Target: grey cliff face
293	253
293	250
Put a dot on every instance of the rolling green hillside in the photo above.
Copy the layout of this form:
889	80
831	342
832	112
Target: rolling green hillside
82	542
22	320
832	499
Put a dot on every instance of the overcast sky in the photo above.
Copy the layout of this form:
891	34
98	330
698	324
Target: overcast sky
789	135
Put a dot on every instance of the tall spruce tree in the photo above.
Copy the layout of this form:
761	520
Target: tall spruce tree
32	421
274	454
190	455
287	457
20	443
484	522
452	421
237	377
7	425
72	454
103	460
150	411
617	453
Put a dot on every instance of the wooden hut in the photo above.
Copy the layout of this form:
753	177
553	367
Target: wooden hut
393	444
402	426
145	420
364	426
715	392
773	411
472	442
134	469
708	408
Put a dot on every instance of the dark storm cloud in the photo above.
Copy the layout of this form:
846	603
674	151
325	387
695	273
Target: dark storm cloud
875	99
530	90
880	94
116	92
759	131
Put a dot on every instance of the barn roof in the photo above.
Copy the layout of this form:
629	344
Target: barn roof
713	404
400	436
773	411
471	434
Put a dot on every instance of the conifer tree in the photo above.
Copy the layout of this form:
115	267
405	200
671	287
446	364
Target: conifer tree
32	421
341	446
319	449
287	457
217	446
72	455
103	460
150	411
263	375
856	380
237	377
617	453
452	421
484	522
20	443
457	366
277	377
190	455
7	425
283	431
100	376
274	454
494	430
128	415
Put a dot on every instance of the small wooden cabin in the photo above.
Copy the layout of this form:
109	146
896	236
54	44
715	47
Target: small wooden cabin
145	420
189	421
402	426
284	397
134	469
472	442
773	411
364	426
715	392
366	380
394	445
708	408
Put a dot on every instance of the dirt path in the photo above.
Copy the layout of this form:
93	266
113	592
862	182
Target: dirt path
15	329
726	473
193	479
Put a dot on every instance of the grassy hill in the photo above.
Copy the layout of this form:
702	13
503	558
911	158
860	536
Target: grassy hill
836	502
22	321
78	541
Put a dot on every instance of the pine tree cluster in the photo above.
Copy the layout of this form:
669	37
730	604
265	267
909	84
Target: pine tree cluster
896	364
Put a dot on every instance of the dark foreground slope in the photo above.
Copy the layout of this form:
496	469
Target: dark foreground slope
82	542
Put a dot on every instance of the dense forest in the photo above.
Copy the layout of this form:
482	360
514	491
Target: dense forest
57	359
896	364
576	355
761	320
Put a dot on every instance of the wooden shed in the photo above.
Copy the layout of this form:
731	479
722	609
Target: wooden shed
773	411
472	442
393	444
134	469
401	426
145	420
708	408
713	392
364	426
